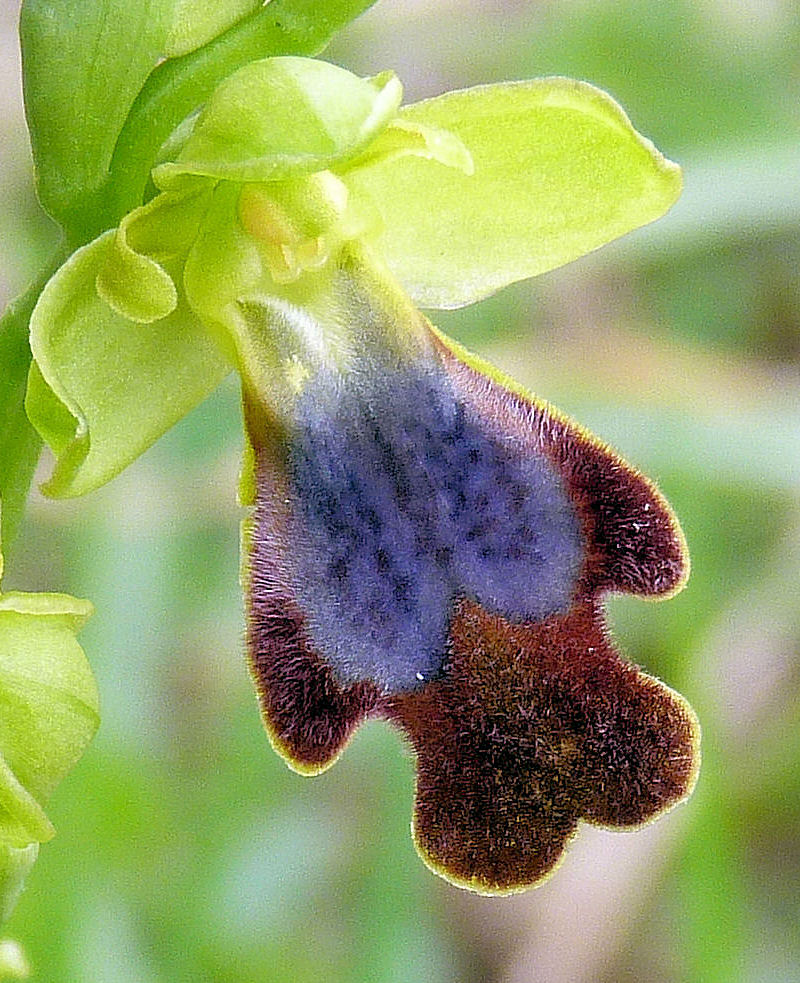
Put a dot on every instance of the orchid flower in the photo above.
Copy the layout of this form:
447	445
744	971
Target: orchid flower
427	543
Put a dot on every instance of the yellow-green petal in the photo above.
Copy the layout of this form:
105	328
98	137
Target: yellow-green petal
134	285
133	280
401	138
559	171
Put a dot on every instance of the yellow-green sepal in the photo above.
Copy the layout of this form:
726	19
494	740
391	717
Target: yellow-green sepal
559	170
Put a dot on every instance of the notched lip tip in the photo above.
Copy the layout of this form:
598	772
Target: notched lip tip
306	769
483	886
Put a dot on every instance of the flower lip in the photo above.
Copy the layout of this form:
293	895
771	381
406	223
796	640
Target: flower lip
513	751
404	502
525	721
634	541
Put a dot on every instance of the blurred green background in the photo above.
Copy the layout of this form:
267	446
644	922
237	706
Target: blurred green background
186	850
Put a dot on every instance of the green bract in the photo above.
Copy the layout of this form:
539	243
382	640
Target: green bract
289	160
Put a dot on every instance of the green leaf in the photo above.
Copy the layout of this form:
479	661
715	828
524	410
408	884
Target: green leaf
48	707
559	171
282	117
102	388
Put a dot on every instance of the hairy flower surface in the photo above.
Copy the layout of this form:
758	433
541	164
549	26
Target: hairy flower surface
431	547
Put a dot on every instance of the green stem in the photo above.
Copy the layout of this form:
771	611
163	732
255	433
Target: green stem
20	445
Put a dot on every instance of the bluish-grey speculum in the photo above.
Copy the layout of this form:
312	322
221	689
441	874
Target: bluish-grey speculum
404	501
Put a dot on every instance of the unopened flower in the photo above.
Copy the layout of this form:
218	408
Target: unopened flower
48	715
